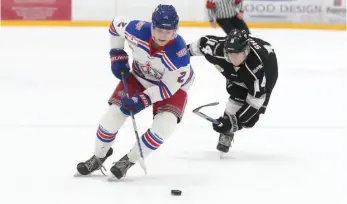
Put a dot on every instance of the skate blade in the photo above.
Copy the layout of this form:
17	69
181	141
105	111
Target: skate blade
222	155
112	178
77	174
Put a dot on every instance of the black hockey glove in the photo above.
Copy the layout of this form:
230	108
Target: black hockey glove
230	124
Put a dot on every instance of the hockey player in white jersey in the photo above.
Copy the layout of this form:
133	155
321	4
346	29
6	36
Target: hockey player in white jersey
161	74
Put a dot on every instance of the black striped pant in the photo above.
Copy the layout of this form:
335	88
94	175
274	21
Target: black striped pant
228	24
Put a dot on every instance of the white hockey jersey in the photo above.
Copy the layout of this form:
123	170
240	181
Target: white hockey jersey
162	72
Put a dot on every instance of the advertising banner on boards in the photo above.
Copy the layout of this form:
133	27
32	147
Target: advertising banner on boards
295	11
335	11
36	9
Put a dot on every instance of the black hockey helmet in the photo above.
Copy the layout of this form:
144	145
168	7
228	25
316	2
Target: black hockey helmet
236	41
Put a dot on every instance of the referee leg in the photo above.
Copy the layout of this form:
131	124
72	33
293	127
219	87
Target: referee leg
239	24
226	24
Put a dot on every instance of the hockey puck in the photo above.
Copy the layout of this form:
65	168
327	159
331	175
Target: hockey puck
176	192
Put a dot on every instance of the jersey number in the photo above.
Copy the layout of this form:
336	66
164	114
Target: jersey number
207	49
180	79
122	24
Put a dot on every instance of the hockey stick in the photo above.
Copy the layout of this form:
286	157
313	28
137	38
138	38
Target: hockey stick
219	124
197	111
142	160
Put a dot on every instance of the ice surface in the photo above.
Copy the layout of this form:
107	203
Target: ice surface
55	83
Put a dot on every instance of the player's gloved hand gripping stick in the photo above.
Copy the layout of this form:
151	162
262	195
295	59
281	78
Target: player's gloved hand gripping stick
197	111
142	160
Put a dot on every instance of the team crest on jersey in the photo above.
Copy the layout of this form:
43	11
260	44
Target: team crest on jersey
182	52
147	68
139	25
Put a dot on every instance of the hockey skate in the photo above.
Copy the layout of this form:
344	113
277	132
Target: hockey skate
224	142
120	168
92	164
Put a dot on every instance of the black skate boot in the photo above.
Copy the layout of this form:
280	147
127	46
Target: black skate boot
224	142
93	164
120	168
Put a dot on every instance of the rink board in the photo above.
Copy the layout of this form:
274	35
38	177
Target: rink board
182	24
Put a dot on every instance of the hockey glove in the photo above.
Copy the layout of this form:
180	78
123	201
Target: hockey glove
119	63
135	104
230	124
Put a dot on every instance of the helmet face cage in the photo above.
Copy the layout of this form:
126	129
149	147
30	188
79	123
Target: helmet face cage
165	17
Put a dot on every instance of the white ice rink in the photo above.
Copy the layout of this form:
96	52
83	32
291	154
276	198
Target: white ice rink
54	86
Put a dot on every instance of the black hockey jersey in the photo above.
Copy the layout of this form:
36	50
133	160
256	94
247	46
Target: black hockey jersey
258	74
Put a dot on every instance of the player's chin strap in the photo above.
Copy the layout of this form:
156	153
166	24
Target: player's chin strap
197	111
141	160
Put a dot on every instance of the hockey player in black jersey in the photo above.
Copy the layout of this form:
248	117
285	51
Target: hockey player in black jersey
250	66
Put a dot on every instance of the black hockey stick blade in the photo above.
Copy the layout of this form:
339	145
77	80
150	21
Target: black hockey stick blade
197	111
209	104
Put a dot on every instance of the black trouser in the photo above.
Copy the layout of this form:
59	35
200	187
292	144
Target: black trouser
231	23
237	97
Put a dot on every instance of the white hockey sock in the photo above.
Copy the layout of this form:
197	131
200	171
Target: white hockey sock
163	126
109	125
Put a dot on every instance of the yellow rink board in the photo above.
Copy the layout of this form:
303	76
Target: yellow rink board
183	24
